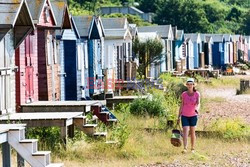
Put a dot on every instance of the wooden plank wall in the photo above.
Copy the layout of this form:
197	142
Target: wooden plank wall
7	75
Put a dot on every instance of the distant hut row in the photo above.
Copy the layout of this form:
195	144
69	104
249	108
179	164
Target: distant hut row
48	55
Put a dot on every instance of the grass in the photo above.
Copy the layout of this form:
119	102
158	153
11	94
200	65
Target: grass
146	147
143	147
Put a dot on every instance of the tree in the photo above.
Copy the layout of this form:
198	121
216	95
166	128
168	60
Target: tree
246	24
150	6
147	52
132	19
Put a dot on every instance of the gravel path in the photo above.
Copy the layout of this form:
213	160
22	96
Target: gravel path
230	105
241	159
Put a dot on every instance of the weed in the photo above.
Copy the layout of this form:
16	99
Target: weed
198	157
231	129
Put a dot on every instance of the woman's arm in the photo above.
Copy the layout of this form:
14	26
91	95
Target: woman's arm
197	107
180	110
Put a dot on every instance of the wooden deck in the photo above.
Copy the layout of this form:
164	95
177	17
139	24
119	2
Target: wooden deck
61	119
204	72
122	99
127	85
61	106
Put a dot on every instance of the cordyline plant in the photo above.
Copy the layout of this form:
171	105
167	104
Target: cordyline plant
148	52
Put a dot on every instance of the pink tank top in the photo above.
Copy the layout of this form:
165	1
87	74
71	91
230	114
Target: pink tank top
189	104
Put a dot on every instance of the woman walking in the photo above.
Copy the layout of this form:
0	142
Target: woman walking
188	112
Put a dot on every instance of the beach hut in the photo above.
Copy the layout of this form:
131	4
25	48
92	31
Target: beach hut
189	53
207	44
218	50
48	64
197	47
16	24
227	49
248	37
71	53
119	36
92	35
235	41
73	65
166	34
118	51
179	59
245	48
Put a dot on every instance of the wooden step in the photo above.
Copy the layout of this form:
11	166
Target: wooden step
42	156
111	142
89	129
112	120
41	153
28	141
104	112
30	144
100	134
55	165
20	131
80	120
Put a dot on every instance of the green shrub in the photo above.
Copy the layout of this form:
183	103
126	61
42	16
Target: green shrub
173	84
49	137
231	129
152	106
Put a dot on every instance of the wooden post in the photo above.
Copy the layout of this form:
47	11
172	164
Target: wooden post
64	134
6	154
71	133
20	161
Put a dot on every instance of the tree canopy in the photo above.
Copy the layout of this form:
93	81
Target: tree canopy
205	16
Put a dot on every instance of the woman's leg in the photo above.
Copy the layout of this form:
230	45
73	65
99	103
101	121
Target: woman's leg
193	137
185	136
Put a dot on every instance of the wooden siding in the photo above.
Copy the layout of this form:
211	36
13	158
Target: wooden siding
46	18
62	71
21	82
48	66
42	71
7	76
80	71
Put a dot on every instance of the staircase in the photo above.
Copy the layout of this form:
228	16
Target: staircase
27	149
89	129
103	113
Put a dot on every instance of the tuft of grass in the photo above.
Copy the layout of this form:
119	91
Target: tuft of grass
232	129
227	82
198	157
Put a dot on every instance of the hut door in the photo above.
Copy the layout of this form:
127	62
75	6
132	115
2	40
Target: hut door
29	69
5	78
70	66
